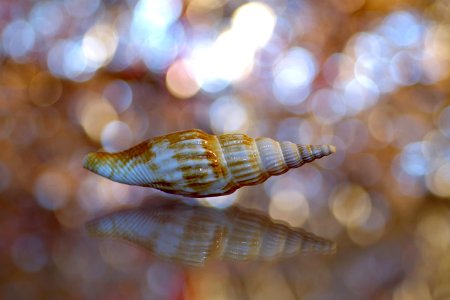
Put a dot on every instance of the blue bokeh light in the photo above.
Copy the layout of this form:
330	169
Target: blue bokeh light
18	39
293	76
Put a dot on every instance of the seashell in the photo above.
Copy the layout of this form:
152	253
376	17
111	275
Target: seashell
193	235
193	163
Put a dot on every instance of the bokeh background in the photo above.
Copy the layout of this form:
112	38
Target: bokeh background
371	77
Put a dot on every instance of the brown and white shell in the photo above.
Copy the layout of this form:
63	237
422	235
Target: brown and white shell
193	235
193	163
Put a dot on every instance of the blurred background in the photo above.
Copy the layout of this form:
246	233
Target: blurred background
371	77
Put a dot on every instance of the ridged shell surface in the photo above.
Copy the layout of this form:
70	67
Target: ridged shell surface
193	163
193	235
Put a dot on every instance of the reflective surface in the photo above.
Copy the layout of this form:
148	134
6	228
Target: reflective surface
192	234
371	77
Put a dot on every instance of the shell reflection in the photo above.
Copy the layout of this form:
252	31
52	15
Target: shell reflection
193	163
193	235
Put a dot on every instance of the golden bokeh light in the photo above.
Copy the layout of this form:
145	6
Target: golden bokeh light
39	92
350	205
289	206
439	183
254	22
95	114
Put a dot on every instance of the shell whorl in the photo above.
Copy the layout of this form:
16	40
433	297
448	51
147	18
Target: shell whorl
193	235
279	157
193	163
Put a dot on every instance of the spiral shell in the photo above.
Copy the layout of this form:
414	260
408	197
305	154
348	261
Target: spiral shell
193	163
193	235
